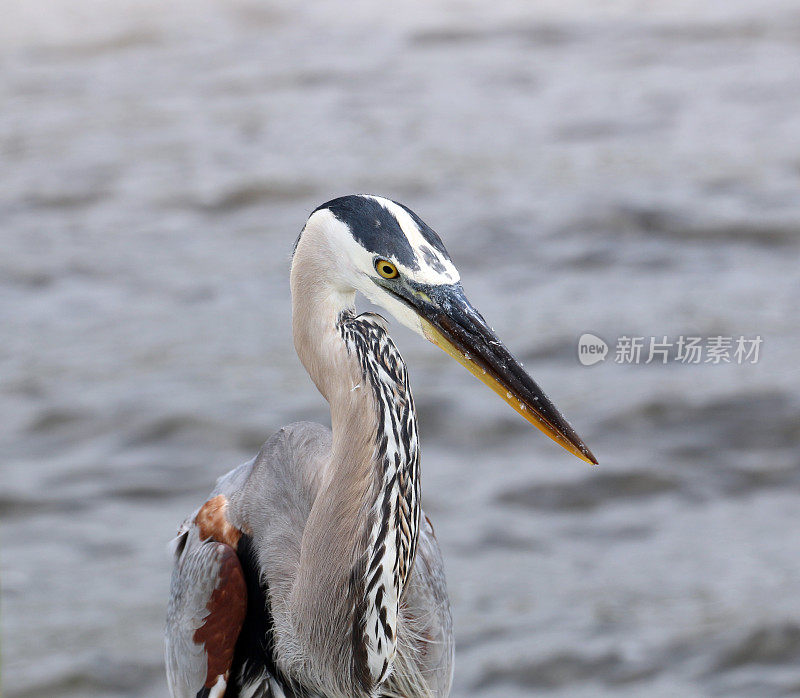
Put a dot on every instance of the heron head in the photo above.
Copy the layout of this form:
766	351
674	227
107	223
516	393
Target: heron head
385	251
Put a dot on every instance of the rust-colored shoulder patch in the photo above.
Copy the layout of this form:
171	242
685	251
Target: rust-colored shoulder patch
226	611
213	523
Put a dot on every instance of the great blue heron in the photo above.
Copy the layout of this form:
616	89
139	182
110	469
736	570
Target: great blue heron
311	569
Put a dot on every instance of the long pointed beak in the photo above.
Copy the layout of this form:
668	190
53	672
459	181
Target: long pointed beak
449	321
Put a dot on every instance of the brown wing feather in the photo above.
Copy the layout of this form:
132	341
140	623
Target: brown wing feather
208	604
226	611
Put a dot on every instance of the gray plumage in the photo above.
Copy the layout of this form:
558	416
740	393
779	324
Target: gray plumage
272	496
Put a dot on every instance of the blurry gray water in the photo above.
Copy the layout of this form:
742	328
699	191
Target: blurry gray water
618	168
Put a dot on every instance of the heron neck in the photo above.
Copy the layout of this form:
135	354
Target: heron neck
361	534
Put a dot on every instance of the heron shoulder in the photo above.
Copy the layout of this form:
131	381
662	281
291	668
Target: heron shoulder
289	462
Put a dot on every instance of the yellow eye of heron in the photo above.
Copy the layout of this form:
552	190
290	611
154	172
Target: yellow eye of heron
386	269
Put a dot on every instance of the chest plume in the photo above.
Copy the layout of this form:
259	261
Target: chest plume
393	519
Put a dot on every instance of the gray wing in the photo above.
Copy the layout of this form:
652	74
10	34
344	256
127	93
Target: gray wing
424	663
208	601
267	501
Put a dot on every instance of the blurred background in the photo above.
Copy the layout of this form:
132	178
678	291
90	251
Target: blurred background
629	167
